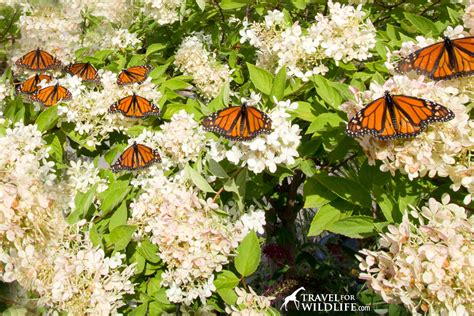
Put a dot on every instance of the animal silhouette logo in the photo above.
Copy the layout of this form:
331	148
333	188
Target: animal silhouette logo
292	298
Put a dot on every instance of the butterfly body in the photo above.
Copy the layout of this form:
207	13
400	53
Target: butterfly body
134	106
239	123
51	95
448	59
136	157
132	75
30	85
396	116
86	71
38	60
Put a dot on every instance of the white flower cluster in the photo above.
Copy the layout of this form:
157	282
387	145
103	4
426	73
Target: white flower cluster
193	240
163	11
30	197
249	303
38	249
468	17
427	262
81	176
267	151
179	141
117	11
59	28
443	149
54	29
343	35
194	60
72	275
88	109
5	91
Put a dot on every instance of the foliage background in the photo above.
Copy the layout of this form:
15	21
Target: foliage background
320	210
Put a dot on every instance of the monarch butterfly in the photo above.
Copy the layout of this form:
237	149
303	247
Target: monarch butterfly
444	60
38	60
136	74
136	157
396	116
86	71
134	106
30	85
238	122
51	95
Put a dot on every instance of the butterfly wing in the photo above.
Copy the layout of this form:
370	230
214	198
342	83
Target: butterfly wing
236	124
410	117
134	106
30	85
427	61
38	60
136	74
86	71
136	157
374	119
463	49
437	63
51	95
414	114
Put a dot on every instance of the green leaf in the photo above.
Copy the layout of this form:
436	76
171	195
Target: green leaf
226	279
201	4
354	227
197	179
47	119
82	202
114	194
347	189
324	122
153	48
15	311
387	204
119	217
326	91
261	79
422	24
56	147
248	255
176	84
121	236
149	251
279	84
103	54
216	169
305	111
316	195
325	216
140	310
228	295
94	236
233	4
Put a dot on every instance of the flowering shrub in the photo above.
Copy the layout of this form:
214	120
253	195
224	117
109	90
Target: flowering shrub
427	264
249	223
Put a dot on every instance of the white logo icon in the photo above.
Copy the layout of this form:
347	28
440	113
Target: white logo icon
292	298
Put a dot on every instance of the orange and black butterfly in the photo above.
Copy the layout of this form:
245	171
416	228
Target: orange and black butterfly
30	85
51	95
131	75
396	116
38	60
134	106
85	71
444	60
238	122
136	157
